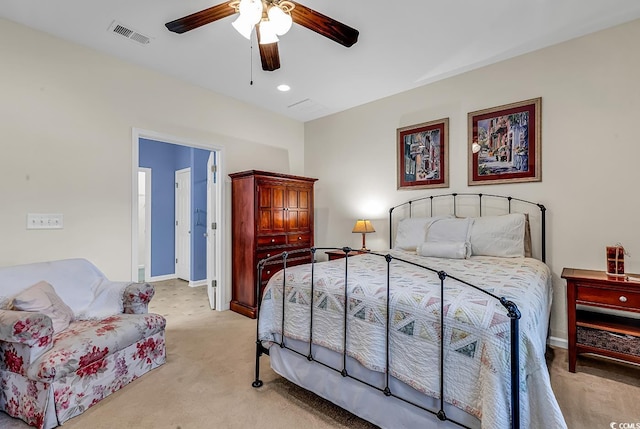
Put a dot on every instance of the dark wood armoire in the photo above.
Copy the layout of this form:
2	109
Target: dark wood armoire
271	213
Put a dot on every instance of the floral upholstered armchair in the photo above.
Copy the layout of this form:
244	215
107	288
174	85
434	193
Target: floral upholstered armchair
70	337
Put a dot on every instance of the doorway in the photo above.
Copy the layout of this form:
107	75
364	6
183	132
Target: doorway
206	216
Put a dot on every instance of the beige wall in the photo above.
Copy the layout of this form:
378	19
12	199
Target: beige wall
66	115
590	150
66	120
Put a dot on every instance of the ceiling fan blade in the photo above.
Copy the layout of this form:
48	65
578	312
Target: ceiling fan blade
198	19
322	24
269	56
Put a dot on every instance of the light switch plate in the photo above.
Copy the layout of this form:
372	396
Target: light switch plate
44	221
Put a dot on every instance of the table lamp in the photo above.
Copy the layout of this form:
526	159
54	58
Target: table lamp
363	226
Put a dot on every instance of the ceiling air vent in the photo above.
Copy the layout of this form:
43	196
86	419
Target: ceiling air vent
306	106
130	34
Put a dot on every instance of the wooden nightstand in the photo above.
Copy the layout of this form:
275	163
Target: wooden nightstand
338	254
616	336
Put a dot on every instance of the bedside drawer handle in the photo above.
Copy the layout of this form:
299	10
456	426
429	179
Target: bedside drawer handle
268	255
623	298
299	238
273	240
268	272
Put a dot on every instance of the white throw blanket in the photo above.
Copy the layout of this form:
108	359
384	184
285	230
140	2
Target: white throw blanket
79	283
476	339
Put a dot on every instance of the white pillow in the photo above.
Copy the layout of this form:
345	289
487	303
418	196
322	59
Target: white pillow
498	235
107	300
412	231
42	298
450	232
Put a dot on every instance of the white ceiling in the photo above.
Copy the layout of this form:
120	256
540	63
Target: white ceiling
402	44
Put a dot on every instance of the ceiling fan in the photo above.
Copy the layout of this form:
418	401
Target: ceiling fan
271	18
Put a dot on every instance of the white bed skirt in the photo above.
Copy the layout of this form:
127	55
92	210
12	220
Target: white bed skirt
358	398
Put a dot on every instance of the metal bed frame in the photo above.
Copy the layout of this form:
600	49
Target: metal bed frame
511	308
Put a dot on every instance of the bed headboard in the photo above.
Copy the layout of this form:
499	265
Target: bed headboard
469	205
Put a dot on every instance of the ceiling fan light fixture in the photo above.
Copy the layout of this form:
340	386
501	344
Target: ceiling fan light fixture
243	26
281	20
267	33
251	10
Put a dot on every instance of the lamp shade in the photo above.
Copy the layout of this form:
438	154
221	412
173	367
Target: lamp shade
267	33
251	10
363	226
243	26
281	21
250	15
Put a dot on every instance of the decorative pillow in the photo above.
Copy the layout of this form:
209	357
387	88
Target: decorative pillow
412	231
107	300
445	249
451	235
498	235
42	298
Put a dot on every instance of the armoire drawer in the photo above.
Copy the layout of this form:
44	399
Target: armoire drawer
271	240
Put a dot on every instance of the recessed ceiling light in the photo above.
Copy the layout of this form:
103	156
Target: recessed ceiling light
284	88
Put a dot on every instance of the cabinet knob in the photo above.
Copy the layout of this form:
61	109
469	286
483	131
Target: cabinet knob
299	238
268	272
273	240
268	255
623	298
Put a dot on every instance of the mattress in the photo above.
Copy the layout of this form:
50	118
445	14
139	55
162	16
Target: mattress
476	329
355	396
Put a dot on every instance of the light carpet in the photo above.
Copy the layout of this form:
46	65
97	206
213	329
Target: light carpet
206	382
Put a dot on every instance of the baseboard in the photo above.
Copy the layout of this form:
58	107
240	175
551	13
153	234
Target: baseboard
162	278
197	283
558	342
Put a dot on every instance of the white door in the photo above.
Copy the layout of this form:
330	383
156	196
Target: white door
144	224
212	227
183	224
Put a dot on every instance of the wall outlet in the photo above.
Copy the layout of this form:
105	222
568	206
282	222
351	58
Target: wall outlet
44	221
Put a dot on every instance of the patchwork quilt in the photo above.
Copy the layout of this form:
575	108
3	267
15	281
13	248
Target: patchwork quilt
476	328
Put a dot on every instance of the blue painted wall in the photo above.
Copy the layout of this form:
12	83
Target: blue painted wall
164	159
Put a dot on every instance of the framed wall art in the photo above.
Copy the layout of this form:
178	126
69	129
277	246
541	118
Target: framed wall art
504	144
423	153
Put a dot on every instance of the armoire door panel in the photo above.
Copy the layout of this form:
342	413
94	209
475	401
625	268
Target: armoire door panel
265	224
303	220
292	200
264	195
293	224
278	221
303	199
278	197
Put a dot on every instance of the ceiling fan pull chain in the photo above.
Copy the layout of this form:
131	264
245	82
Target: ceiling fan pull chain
251	61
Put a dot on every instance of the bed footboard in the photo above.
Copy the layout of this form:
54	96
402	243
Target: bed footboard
512	312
